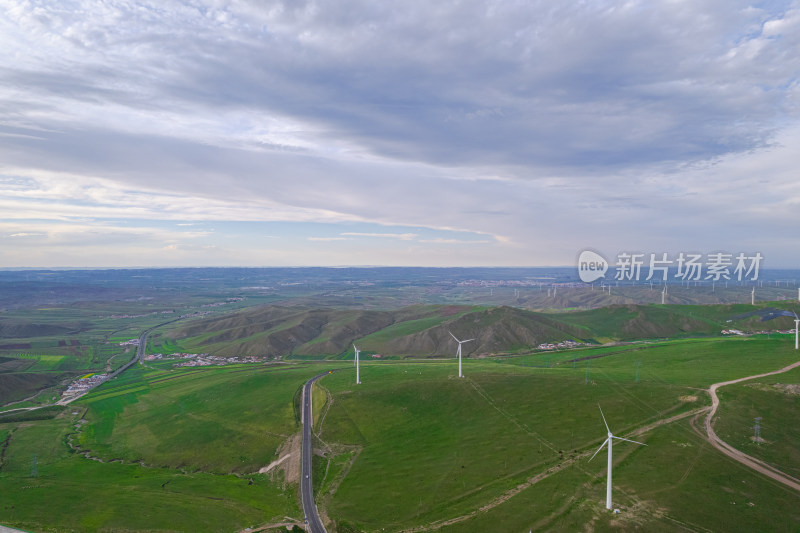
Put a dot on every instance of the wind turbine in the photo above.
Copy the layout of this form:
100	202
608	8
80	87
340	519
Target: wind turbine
358	381
796	328
753	297
609	441
459	351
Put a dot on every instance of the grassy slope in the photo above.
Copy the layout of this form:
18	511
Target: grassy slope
45	487
224	420
422	331
438	447
193	429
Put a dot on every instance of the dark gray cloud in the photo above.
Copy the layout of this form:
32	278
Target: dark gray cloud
533	83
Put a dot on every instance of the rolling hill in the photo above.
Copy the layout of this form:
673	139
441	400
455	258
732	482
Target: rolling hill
422	330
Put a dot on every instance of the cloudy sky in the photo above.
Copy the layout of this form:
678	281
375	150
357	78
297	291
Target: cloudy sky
358	132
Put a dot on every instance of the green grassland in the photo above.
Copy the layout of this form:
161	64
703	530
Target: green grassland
182	447
46	487
413	446
436	448
221	420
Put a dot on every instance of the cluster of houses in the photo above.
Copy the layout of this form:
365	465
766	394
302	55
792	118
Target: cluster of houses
209	360
732	332
202	359
740	332
84	384
563	344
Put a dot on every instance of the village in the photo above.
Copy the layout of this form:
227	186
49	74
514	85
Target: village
563	344
203	359
84	384
762	332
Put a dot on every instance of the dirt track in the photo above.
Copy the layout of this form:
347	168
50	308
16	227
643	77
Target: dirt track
733	453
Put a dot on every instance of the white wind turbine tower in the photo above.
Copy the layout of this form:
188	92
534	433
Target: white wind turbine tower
459	351
753	296
358	381
609	441
796	332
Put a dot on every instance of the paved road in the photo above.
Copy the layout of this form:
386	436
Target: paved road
141	350
732	452
314	523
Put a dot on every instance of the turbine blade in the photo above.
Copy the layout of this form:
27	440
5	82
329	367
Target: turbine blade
468	340
451	334
598	449
629	440
604	418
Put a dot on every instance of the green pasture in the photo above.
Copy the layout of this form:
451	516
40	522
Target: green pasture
415	446
47	487
182	447
436	448
686	362
222	420
677	483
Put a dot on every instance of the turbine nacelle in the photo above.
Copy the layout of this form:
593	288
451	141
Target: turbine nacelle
458	341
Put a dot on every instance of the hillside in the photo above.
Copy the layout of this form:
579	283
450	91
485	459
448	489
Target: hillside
498	329
17	329
276	331
422	330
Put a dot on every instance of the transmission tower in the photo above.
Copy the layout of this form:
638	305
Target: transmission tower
757	429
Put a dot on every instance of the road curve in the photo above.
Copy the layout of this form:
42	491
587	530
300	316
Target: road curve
732	452
313	521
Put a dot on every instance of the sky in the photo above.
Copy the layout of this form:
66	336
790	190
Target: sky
415	133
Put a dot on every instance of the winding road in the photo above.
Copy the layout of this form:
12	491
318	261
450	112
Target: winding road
313	521
733	453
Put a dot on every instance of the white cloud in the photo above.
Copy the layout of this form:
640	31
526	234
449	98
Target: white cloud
401	236
538	128
23	234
